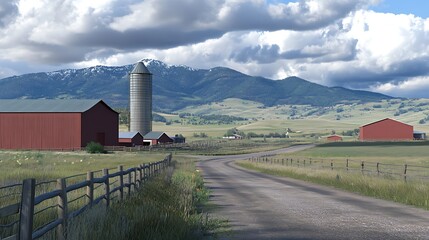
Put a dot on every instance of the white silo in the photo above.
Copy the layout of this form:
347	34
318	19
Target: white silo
140	99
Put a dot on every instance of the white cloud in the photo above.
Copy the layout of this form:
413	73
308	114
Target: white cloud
413	87
326	41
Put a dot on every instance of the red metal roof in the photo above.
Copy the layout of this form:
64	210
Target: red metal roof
385	120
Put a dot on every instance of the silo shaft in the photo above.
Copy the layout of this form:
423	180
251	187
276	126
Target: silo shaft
140	99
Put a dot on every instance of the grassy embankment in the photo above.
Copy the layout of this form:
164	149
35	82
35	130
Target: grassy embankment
414	193
164	209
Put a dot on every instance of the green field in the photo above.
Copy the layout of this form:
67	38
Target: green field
416	153
310	122
18	165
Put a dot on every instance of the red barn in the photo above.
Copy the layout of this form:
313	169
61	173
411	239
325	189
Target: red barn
386	130
334	138
56	124
130	139
154	138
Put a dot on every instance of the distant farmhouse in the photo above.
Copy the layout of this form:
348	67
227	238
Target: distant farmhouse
386	130
334	138
56	124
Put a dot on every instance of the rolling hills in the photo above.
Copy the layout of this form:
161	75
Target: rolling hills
177	87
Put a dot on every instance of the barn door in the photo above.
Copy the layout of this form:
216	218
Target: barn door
101	138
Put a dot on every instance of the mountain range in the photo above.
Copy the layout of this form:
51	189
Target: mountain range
176	87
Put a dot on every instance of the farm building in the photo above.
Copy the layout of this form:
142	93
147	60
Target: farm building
334	138
234	137
386	130
56	124
178	138
130	139
418	135
153	138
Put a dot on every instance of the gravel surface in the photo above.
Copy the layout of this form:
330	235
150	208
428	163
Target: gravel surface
260	206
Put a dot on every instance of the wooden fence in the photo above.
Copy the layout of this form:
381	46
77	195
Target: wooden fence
136	177
398	171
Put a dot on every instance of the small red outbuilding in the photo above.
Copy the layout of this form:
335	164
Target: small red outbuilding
334	138
130	139
153	138
386	130
56	124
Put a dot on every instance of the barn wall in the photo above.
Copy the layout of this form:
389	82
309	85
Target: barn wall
130	142
40	130
165	139
99	121
334	138
386	130
137	140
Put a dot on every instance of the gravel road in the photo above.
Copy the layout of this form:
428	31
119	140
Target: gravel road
260	206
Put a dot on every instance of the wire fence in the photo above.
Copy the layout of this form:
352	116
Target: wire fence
395	171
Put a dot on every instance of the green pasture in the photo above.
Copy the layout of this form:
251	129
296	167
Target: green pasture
384	152
18	165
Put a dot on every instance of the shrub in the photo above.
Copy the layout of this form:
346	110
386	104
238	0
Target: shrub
95	147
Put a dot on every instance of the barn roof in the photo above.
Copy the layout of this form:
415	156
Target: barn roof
128	134
48	105
153	135
385	120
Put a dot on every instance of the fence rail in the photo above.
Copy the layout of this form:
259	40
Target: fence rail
136	177
405	172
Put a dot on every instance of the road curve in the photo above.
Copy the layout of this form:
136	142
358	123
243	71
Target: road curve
260	206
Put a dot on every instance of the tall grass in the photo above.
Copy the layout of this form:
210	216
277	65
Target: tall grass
413	193
16	166
166	208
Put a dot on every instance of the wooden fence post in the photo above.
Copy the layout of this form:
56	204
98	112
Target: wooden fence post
347	165
135	178
140	175
129	184
90	188
62	209
121	182
106	187
27	209
378	169
363	166
405	172
144	172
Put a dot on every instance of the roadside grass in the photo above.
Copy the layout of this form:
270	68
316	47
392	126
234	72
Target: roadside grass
168	207
413	193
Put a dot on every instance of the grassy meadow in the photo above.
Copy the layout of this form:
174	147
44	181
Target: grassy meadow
307	122
18	165
416	153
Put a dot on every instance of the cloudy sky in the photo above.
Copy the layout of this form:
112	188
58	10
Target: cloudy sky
377	45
